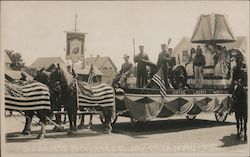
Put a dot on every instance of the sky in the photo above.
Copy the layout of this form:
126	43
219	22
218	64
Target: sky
37	29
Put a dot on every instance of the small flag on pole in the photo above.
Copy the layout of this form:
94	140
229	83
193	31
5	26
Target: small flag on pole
158	79
92	75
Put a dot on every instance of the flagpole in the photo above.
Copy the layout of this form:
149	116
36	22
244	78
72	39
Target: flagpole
75	31
134	57
146	86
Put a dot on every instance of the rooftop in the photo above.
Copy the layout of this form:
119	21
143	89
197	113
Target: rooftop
46	62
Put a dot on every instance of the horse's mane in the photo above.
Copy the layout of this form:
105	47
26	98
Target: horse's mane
67	76
43	77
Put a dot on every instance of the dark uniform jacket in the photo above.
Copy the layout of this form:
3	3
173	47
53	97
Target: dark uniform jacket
141	67
163	59
126	68
199	59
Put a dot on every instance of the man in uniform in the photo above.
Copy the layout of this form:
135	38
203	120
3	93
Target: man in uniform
141	67
125	70
163	61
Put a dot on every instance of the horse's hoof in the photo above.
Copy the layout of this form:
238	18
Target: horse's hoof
72	132
245	139
238	136
80	127
69	132
40	136
58	129
25	133
107	131
90	127
75	129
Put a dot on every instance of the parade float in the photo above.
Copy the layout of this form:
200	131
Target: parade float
148	103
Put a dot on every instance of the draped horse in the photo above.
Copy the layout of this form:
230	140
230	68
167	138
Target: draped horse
43	77
69	97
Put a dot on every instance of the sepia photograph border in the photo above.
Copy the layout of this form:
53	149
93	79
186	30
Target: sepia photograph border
3	119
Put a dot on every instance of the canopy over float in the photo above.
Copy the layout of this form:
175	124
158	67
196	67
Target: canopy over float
212	28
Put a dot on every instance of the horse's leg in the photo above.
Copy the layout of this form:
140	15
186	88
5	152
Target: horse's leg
245	128
28	120
107	115
81	125
58	116
70	122
90	121
74	118
241	124
65	117
237	125
42	118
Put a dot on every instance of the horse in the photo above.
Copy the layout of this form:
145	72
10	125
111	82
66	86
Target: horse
239	106
29	114
20	94
69	98
43	76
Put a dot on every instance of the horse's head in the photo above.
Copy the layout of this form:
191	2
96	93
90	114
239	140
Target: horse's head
42	76
236	56
60	74
56	74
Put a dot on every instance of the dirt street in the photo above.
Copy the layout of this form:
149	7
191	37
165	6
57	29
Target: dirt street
162	136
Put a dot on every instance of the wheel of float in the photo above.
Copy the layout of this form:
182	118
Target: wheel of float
178	76
221	117
191	117
113	120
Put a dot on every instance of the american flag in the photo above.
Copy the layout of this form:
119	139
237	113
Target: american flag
25	96
96	95
92	75
92	95
158	79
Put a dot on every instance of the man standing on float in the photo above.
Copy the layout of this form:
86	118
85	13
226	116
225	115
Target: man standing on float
163	61
141	67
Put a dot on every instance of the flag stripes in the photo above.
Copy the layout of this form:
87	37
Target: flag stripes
95	95
158	80
26	96
91	74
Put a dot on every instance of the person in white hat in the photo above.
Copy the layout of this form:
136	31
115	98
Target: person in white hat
125	70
